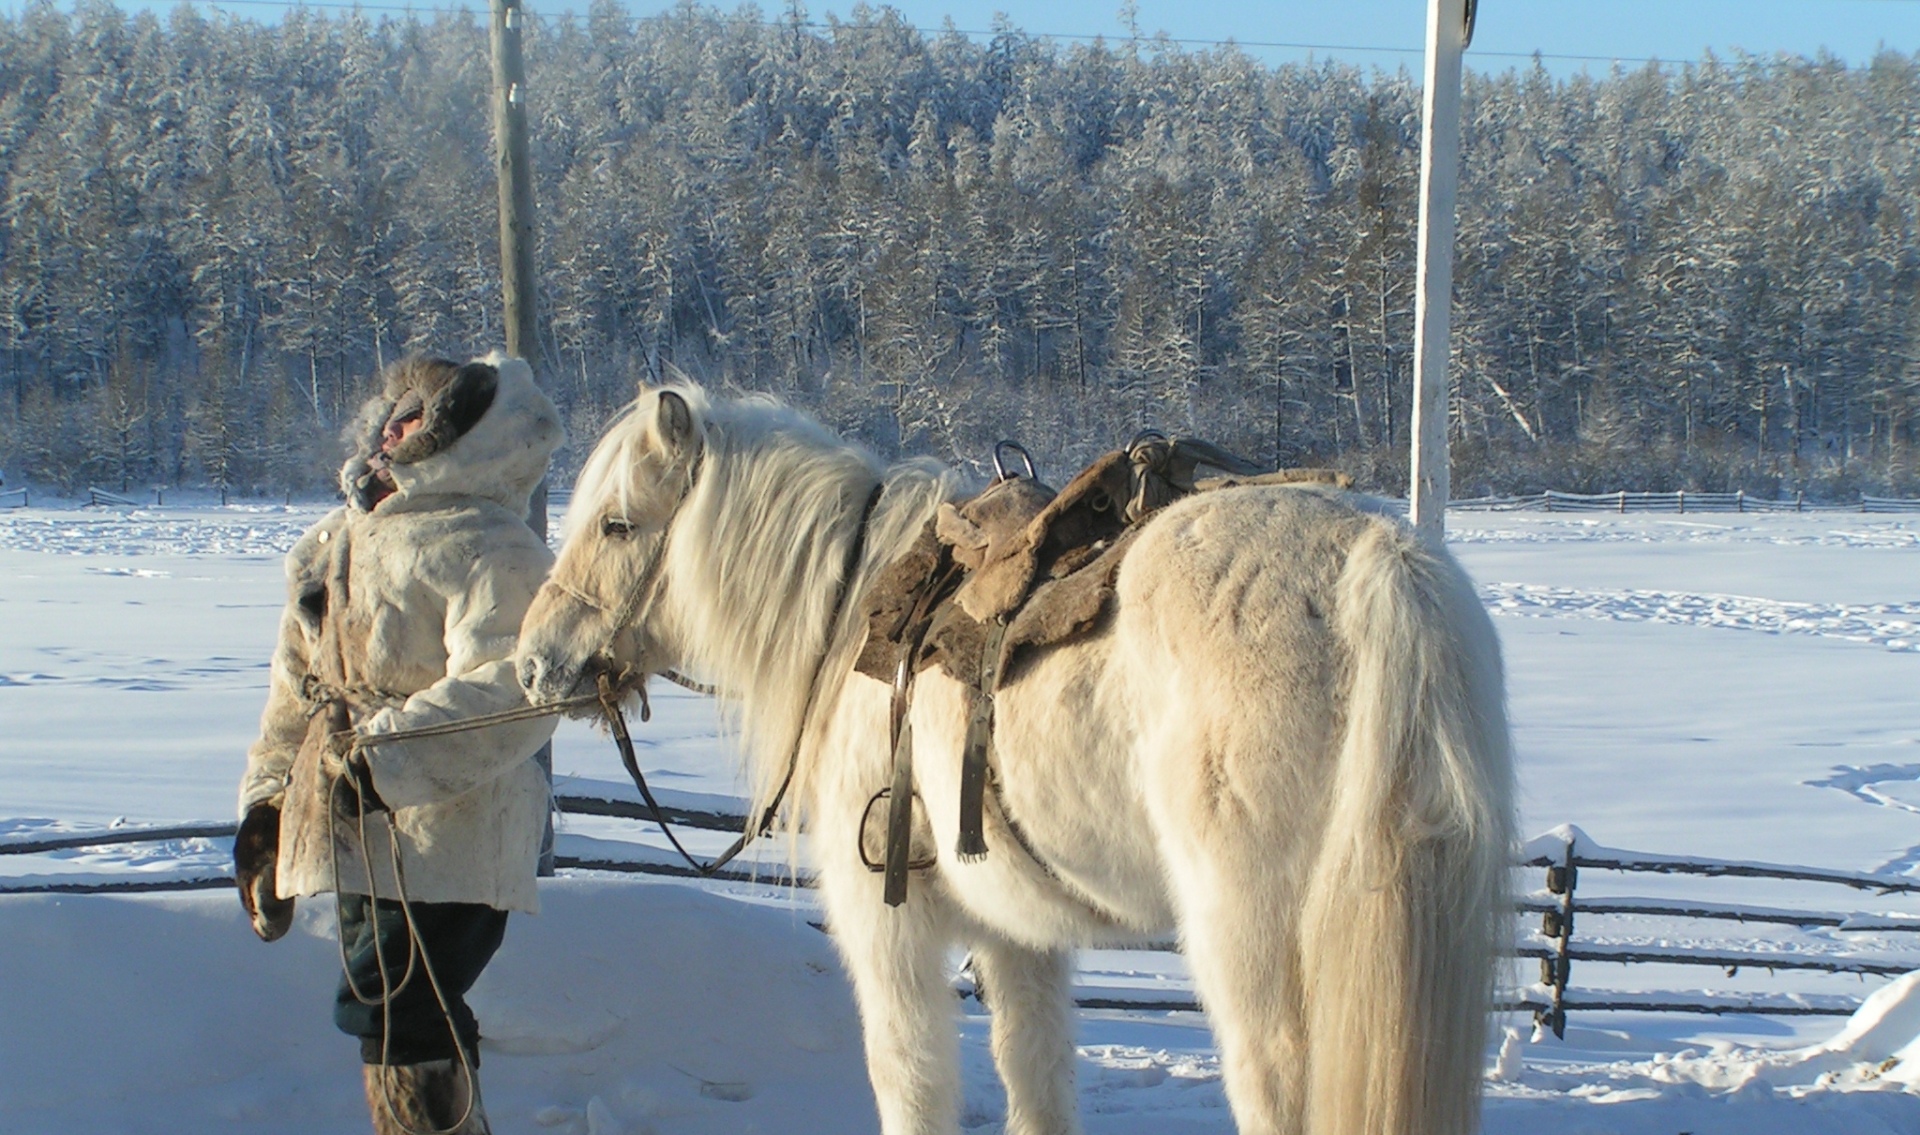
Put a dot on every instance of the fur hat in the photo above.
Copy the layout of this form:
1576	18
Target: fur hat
449	397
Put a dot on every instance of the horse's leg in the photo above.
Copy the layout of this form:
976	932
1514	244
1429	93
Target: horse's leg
1027	992
1231	805
1239	931
897	959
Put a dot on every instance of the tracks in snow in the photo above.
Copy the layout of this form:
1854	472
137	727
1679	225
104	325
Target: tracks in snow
1894	626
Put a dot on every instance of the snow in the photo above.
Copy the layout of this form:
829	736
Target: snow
188	1023
1725	688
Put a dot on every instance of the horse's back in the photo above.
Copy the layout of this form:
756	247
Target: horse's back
1225	648
1241	614
1247	576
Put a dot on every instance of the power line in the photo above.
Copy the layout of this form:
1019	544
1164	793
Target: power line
1078	37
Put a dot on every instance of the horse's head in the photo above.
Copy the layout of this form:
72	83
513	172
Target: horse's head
600	608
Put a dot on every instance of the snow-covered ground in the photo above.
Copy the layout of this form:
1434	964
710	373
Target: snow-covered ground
1733	686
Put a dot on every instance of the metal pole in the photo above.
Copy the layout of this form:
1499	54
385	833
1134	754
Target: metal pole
1449	26
514	176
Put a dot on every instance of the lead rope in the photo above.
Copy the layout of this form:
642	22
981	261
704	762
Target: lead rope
417	955
416	950
607	699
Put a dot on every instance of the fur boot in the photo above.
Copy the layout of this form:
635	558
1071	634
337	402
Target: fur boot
423	1099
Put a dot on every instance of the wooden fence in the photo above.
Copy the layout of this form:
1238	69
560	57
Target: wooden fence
677	813
1679	502
1565	852
1552	500
101	498
1562	855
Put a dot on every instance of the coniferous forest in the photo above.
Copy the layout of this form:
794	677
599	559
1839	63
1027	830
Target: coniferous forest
217	229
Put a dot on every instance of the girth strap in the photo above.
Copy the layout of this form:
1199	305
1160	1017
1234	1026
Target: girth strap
900	800
918	620
975	760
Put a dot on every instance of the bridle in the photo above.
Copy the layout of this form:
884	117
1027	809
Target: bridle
614	681
645	590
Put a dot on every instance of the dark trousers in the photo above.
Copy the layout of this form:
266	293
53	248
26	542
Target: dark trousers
459	939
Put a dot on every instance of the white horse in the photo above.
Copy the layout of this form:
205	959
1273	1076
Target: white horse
1287	743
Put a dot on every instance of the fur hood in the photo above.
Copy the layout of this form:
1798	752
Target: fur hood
486	431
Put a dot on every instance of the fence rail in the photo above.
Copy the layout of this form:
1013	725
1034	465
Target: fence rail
101	498
1625	501
1550	500
1538	998
1543	903
1567	850
1563	853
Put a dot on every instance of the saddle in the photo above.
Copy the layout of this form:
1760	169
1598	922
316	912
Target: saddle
994	581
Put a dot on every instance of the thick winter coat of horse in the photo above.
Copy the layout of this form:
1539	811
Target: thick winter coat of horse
434	579
1287	743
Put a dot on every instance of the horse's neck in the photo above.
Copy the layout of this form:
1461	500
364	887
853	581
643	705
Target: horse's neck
766	611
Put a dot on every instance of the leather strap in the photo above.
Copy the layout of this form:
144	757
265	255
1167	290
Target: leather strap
617	723
975	759
900	800
900	730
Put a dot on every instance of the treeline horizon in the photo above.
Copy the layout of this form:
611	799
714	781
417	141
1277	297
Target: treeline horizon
216	230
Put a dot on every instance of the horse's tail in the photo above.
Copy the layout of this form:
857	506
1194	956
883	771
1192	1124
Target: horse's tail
1409	893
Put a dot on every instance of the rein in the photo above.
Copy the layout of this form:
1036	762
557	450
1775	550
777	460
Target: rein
607	700
855	552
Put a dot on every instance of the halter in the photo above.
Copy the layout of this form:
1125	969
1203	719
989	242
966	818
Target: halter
649	581
612	678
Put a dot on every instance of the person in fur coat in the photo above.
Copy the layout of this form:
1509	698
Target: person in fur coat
402	611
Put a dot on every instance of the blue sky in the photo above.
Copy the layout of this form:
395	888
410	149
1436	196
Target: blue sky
1365	31
1632	29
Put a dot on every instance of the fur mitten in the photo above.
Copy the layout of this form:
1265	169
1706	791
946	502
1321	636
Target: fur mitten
256	846
346	762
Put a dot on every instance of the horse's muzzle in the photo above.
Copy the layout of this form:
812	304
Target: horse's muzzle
546	682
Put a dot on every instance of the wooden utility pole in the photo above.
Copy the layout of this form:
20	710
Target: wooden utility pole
1449	28
515	178
514	172
515	181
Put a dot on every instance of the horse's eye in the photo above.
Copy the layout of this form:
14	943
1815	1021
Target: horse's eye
618	529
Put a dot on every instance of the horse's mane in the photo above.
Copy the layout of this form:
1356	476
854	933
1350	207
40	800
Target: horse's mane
756	557
605	475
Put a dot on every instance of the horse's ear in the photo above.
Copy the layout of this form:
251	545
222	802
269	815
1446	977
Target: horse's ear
673	420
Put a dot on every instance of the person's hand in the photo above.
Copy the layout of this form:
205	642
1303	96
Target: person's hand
256	847
345	762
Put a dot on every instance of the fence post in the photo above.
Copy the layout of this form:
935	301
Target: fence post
1740	500
1623	502
1683	502
1556	971
1799	500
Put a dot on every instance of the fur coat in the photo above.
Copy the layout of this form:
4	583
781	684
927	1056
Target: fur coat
425	589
